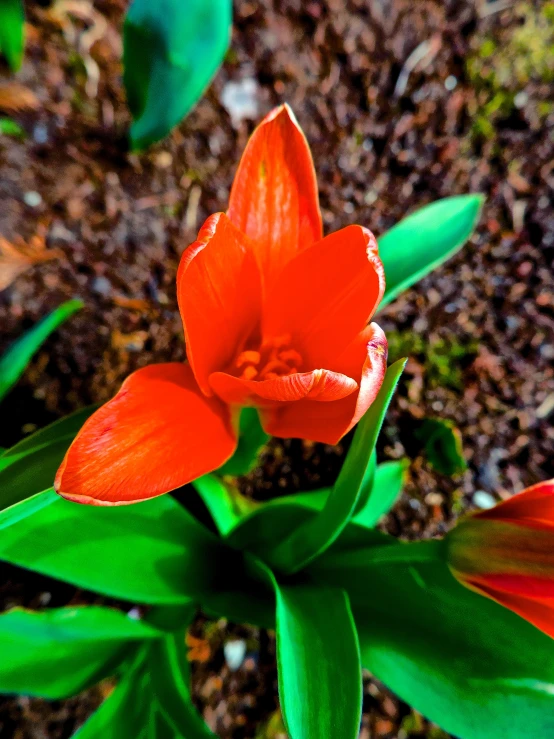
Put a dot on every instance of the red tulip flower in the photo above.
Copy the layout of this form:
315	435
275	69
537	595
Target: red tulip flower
507	554
275	317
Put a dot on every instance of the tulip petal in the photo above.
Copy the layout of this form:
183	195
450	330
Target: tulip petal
274	195
538	609
329	422
158	433
535	505
318	385
325	296
219	294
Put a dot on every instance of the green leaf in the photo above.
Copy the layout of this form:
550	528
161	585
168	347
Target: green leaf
30	466
9	127
57	653
170	673
318	661
252	439
442	443
225	503
387	486
152	552
312	538
425	239
171	51
15	360
129	712
468	664
12	32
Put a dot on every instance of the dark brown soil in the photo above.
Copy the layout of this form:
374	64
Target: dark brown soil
386	139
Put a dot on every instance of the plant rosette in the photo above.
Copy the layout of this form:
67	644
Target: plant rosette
279	342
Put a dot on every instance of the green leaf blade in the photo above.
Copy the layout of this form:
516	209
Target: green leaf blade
318	533
15	360
30	466
12	32
153	552
465	662
171	51
318	662
425	239
79	646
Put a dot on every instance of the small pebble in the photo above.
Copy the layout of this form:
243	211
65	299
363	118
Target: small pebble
40	133
234	652
483	500
101	285
134	613
521	99
32	199
241	100
450	82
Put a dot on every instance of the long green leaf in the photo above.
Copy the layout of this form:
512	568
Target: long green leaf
468	664
318	661
316	535
171	51
170	673
129	712
387	486
30	466
252	439
152	552
14	361
425	239
60	652
12	32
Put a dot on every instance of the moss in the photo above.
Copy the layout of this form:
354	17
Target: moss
443	359
498	71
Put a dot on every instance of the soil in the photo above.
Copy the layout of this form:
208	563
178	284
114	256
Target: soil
388	136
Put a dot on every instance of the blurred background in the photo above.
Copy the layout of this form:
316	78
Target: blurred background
402	103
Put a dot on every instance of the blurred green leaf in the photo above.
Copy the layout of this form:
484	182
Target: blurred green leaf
15	360
226	504
442	443
318	660
12	32
8	127
317	534
128	713
57	653
466	663
252	439
425	239
171	51
152	552
170	671
30	466
387	486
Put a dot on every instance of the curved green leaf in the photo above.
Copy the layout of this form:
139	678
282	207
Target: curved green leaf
170	673
129	712
171	51
14	361
318	660
57	653
387	486
152	552
317	534
252	439
425	239
12	32
30	466
465	662
442	443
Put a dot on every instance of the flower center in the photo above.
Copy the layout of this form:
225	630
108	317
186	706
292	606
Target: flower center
274	358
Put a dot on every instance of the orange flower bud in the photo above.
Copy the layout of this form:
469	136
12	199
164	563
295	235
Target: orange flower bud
507	554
